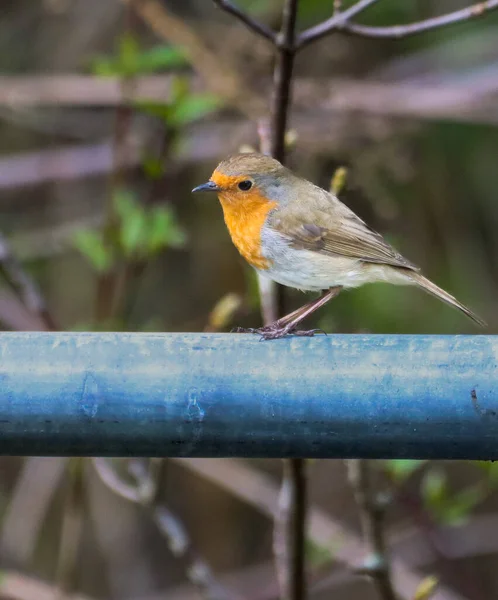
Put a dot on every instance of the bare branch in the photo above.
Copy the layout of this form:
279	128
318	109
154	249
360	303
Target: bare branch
17	586
297	527
218	73
111	479
72	527
290	520
268	290
372	511
282	80
248	21
23	285
401	31
280	546
337	21
149	479
260	491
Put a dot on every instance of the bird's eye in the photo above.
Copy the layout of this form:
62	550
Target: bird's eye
245	185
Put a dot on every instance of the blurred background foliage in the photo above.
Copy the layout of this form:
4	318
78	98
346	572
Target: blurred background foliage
105	128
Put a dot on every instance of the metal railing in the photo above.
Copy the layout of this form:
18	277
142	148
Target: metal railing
214	395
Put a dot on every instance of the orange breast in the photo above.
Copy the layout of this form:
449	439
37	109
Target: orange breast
244	219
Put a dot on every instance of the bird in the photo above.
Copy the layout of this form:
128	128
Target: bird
302	236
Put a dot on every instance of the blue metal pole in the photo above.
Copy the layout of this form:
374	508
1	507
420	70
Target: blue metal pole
120	394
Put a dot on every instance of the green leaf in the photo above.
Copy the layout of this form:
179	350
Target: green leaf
133	226
125	203
161	58
128	55
493	474
163	230
133	234
90	244
192	108
434	489
154	167
180	89
490	468
155	109
130	60
252	285
459	506
426	588
317	555
124	64
401	470
105	67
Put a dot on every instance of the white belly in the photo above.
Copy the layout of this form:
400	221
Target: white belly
309	270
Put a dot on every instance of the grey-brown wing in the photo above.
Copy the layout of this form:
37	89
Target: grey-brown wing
346	236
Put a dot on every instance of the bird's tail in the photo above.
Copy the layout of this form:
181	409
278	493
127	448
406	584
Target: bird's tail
436	291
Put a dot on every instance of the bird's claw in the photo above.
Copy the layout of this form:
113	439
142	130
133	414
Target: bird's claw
274	331
281	332
245	330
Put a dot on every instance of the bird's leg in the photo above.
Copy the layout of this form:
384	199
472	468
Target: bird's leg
289	326
279	323
288	323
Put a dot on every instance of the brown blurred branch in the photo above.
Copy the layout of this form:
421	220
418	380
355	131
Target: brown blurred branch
401	31
296	477
289	529
27	508
23	285
372	512
248	21
107	289
291	516
72	524
282	79
339	20
149	482
446	99
217	73
260	491
17	586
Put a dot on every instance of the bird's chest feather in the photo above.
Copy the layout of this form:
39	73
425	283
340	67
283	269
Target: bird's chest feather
244	221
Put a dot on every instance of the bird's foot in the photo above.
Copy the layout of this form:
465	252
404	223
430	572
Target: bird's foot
246	330
280	332
258	330
276	331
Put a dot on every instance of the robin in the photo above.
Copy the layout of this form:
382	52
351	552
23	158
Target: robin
302	236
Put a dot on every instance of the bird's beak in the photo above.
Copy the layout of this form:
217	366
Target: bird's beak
209	186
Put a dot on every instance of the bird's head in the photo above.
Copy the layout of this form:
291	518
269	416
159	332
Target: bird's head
247	178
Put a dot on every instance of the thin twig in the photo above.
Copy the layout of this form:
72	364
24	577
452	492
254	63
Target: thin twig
71	528
297	527
289	529
401	31
337	21
282	79
280	534
23	285
111	479
268	290
150	479
134	270
108	281
372	511
217	72
259	490
281	99
248	21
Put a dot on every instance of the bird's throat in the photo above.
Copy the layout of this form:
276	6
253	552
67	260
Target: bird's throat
245	220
